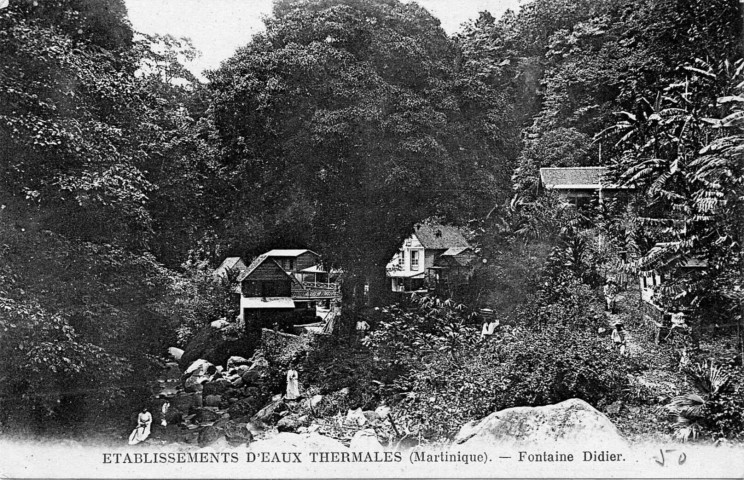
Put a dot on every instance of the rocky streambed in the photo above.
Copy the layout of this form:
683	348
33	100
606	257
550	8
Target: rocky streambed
207	405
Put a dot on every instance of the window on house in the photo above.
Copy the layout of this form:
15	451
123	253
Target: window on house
414	259
402	259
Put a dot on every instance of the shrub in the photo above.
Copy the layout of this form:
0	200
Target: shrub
715	409
200	299
334	364
450	376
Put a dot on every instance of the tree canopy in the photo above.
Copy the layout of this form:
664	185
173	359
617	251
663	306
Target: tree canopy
347	122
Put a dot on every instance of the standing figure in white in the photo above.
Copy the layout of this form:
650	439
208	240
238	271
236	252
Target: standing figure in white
293	387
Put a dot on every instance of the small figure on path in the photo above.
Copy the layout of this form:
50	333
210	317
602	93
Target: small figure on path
293	387
618	337
489	328
361	328
140	434
610	290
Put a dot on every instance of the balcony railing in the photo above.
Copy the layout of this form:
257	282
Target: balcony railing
323	285
316	291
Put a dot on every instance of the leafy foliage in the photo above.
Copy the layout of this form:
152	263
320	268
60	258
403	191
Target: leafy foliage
201	299
79	323
715	409
80	109
85	305
450	376
674	154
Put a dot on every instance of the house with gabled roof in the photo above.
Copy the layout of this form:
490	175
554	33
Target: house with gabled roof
579	184
428	256
234	264
265	285
280	281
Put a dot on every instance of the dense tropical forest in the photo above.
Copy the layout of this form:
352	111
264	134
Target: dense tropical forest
125	180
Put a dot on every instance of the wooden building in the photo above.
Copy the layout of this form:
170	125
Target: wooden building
281	282
578	185
428	257
265	289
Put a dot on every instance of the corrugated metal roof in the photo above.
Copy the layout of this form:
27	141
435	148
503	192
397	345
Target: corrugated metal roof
440	237
288	252
572	177
267	302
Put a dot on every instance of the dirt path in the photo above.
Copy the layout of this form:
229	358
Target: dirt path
655	383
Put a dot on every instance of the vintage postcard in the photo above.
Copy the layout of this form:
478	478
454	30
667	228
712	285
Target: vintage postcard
371	238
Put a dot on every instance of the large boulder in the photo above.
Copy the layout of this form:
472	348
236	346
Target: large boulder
198	367
270	411
236	381
571	421
206	415
216	346
176	353
245	407
238	433
251	377
236	361
366	441
292	422
210	435
216	387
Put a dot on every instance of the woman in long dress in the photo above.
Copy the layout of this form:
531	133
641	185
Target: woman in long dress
293	387
140	434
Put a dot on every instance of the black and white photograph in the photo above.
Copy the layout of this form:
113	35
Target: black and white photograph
371	238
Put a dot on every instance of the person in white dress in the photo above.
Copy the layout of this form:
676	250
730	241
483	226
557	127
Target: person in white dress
164	410
140	434
293	387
